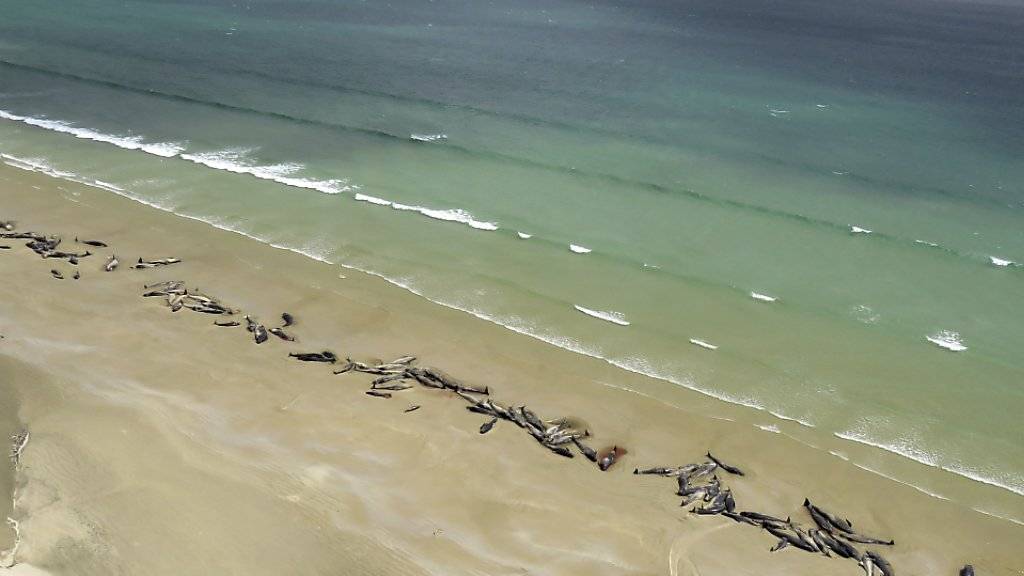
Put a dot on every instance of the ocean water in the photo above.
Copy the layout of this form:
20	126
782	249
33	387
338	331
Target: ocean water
814	210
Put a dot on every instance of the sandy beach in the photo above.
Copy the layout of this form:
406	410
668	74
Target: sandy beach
163	444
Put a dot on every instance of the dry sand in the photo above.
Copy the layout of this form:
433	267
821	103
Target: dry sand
162	444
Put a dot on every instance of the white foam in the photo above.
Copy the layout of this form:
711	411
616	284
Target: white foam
769	428
762	297
524	235
1000	516
839	455
163	149
1000	262
613	317
236	161
703	344
453	215
782	416
908	450
947	339
514	324
41	165
579	249
898	481
428	137
372	199
859	230
865	314
643	367
926	243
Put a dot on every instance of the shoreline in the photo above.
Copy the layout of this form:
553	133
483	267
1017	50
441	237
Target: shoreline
362	317
910	470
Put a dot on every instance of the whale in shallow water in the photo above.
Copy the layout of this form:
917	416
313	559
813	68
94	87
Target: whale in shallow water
724	466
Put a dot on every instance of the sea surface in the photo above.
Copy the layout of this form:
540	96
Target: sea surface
811	209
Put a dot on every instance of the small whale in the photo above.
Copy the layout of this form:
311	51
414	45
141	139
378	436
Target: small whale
967	570
378	394
881	563
325	356
154	263
609	456
839	546
168	285
227	324
111	264
56	274
717	504
696	496
560	450
77	275
282	334
724	466
854	537
794	537
830	520
762	518
782	543
532	418
587	451
713	490
412	408
288	319
730	502
868	566
96	243
486	426
259	333
819	541
740	518
655	471
8	225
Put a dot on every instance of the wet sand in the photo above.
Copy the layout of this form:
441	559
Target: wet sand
9	425
163	444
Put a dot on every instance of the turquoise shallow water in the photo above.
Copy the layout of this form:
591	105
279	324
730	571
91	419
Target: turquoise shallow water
701	153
